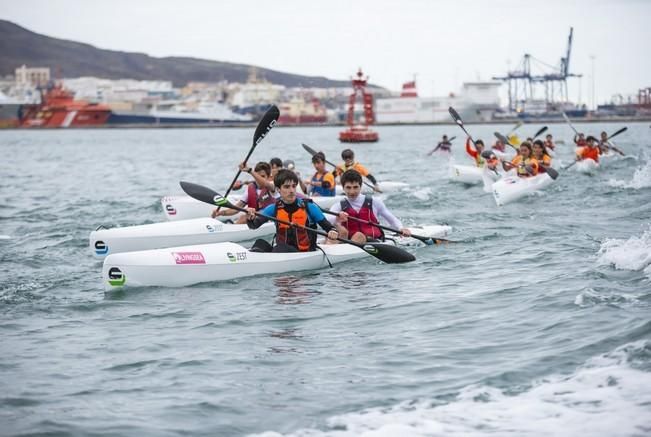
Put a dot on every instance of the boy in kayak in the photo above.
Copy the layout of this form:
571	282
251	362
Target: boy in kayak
476	153
589	151
580	140
362	206
257	194
524	163
291	209
322	182
350	164
549	143
444	146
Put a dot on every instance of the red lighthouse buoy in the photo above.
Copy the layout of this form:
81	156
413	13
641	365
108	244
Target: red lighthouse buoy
358	130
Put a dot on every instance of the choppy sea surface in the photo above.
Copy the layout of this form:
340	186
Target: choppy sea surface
537	324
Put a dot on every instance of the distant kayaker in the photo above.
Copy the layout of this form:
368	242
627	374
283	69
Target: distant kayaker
276	165
362	206
475	153
524	163
257	195
549	142
499	149
589	151
540	154
580	140
350	164
322	182
444	146
294	210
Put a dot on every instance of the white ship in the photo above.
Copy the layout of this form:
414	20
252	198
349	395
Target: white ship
478	101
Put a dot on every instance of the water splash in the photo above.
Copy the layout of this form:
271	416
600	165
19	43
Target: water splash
631	254
641	179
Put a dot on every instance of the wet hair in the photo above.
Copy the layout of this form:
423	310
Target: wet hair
548	136
479	142
347	153
539	143
445	137
262	166
591	138
351	176
318	157
527	145
283	176
276	162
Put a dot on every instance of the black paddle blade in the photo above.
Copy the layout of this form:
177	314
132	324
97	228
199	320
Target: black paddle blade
624	129
267	123
540	132
551	172
204	194
455	115
388	253
502	138
309	150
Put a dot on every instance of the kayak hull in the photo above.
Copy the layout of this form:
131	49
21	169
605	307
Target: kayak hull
103	242
178	208
586	166
512	188
466	174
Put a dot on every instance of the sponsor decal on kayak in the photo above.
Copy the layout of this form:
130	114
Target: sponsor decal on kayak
214	228
116	278
170	209
188	257
101	248
238	256
370	249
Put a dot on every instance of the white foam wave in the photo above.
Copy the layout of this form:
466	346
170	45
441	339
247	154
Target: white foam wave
631	254
421	194
641	179
606	396
5	237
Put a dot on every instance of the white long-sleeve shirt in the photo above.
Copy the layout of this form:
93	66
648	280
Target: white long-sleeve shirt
379	210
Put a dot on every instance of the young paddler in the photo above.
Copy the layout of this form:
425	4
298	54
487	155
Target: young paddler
362	206
524	162
294	210
589	151
444	146
350	164
540	154
475	153
322	182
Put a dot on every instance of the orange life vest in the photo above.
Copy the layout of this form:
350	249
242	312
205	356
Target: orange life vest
589	153
290	235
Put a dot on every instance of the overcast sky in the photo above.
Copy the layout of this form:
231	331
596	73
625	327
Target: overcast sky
443	42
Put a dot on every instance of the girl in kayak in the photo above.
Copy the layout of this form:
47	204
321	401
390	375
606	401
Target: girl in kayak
257	194
364	207
476	154
291	209
540	154
524	163
322	182
350	164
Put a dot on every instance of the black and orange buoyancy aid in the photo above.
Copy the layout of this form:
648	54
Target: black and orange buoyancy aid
364	213
301	239
258	200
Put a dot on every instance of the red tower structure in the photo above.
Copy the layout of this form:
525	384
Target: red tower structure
359	132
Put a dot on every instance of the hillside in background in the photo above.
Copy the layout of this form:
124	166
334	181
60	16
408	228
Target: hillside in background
20	46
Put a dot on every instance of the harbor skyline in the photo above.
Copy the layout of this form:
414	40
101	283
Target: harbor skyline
441	43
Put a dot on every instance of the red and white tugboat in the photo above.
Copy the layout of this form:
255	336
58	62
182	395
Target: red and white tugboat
359	132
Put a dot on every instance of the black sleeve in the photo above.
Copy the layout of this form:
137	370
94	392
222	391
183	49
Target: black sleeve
256	222
371	178
326	225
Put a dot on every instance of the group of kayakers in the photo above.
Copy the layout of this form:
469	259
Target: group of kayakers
273	193
533	156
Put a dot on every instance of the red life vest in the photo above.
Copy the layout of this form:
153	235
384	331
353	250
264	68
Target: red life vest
364	213
292	236
258	201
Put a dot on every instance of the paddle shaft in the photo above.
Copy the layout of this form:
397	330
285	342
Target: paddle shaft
426	240
313	152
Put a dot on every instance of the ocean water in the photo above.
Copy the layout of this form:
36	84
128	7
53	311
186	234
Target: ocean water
538	323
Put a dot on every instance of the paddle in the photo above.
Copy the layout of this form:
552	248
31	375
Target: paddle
427	240
267	122
504	139
540	132
384	252
438	145
567	119
313	152
457	119
622	130
517	126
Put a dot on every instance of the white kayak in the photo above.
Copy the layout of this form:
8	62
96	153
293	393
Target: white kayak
385	187
186	207
511	188
607	158
587	166
188	265
169	234
466	174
